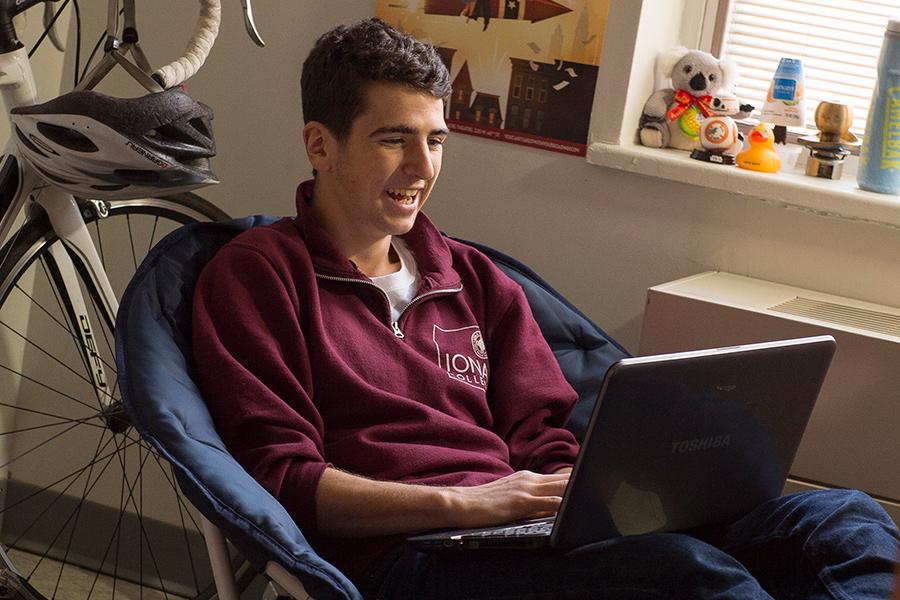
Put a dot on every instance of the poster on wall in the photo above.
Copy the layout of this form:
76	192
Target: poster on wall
523	71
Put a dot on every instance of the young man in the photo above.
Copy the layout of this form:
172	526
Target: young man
315	344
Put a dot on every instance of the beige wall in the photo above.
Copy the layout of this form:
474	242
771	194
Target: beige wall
601	236
47	62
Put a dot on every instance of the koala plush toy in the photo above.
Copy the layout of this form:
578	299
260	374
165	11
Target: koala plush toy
671	116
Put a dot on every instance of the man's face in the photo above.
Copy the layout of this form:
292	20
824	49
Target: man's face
385	169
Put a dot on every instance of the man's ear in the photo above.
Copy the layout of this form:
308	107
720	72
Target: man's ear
321	146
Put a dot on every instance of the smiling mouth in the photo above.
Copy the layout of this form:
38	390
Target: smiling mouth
403	195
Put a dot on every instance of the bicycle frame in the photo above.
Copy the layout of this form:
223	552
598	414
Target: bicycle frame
23	189
74	268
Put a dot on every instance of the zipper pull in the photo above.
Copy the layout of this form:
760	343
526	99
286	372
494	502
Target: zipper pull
397	332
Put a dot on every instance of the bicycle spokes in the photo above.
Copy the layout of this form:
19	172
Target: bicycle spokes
83	490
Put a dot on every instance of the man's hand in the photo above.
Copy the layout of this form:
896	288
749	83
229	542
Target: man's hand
352	506
522	495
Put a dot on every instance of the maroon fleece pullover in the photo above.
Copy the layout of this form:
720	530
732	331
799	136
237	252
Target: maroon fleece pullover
302	368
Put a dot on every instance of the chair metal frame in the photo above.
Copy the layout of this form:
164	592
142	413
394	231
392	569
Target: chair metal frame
285	584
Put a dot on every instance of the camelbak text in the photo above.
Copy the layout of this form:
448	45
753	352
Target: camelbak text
698	444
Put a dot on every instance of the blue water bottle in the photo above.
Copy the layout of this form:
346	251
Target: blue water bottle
879	163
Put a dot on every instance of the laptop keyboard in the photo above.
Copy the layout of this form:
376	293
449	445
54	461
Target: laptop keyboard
542	528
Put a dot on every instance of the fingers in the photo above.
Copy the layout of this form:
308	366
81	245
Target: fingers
533	484
540	495
550	488
520	495
532	476
548	483
541	506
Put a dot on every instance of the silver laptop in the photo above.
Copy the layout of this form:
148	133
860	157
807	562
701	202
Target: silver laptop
676	441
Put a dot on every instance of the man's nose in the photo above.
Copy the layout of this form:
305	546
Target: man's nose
419	161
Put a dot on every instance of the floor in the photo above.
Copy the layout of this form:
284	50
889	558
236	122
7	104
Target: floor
79	583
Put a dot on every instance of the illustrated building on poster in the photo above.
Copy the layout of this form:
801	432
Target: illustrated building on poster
485	110
522	71
446	55
462	94
551	99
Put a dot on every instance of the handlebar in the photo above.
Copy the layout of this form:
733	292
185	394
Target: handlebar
170	75
250	25
8	10
198	48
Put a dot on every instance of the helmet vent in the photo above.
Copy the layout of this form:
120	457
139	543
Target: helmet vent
54	178
109	188
67	137
172	133
27	143
138	176
201	126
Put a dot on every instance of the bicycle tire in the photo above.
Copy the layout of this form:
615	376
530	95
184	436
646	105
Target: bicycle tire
83	506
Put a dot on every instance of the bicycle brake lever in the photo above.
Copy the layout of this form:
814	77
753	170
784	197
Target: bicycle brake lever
48	16
252	31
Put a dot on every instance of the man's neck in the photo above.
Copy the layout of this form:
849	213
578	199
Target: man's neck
378	259
374	257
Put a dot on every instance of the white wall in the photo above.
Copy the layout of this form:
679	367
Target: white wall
600	236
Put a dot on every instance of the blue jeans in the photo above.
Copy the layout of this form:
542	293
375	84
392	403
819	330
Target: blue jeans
828	544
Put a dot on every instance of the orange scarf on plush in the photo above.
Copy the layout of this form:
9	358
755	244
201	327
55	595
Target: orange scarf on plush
685	101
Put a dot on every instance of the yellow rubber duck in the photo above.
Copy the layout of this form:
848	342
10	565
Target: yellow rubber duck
761	155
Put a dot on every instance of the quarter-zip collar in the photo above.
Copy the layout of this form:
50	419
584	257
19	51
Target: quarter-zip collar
426	242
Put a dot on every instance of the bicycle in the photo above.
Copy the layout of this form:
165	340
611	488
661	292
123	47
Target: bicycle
80	489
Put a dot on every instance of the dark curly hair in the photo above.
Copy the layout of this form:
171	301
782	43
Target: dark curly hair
348	58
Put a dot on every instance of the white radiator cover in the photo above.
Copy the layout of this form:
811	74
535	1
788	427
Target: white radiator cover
853	438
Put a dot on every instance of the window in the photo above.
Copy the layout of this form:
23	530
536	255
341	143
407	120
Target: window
652	26
517	87
529	91
837	40
542	92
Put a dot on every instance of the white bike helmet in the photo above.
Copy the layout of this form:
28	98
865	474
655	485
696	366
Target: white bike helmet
97	146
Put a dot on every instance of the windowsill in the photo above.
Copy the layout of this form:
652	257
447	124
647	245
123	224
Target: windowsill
790	187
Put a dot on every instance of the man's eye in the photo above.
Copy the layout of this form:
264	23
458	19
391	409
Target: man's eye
392	141
435	143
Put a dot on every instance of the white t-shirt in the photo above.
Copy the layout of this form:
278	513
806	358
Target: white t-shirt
400	287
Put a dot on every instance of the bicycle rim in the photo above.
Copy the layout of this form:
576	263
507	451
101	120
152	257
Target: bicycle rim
88	509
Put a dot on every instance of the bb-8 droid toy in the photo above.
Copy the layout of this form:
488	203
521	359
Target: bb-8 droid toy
719	135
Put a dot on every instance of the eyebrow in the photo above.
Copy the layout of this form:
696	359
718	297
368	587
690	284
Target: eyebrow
407	130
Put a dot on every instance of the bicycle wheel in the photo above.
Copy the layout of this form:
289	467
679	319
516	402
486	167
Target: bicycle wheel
88	509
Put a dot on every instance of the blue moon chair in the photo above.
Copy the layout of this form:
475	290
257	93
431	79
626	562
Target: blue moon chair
153	355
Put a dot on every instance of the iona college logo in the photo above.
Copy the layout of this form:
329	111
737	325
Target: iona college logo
463	355
478	345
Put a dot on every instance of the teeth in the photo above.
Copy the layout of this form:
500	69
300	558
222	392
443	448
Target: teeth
403	195
403	191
